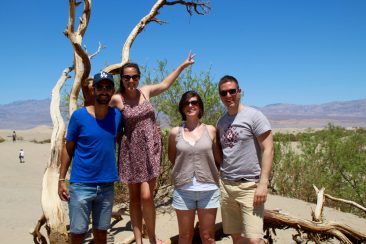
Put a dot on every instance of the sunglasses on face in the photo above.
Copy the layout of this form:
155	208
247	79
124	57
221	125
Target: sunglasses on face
224	93
104	88
129	77
193	103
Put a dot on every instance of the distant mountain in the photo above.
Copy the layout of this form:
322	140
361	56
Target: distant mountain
346	114
31	113
25	114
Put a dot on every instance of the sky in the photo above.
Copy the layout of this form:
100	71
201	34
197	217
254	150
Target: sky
281	51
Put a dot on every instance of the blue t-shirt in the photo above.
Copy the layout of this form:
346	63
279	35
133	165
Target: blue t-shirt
94	158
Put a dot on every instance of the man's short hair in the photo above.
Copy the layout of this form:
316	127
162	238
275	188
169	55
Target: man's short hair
228	78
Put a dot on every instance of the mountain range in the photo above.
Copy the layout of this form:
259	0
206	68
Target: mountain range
31	113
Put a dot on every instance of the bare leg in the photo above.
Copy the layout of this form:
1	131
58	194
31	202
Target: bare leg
135	211
100	236
207	218
186	225
237	239
148	208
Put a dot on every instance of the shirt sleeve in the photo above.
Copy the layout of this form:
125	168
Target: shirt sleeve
260	124
73	128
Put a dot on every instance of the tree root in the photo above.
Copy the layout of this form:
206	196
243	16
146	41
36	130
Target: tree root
38	238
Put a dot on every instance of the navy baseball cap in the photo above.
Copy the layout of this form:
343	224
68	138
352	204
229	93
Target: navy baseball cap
102	76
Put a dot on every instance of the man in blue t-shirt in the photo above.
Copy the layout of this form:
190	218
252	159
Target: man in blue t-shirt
90	143
247	147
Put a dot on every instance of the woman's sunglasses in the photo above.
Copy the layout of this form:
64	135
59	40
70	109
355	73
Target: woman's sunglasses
129	77
193	103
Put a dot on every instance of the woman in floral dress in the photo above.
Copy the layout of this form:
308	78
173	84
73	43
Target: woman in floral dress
140	148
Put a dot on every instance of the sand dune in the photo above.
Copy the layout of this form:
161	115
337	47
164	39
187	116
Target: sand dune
21	192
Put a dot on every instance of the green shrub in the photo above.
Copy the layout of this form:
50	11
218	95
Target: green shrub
334	158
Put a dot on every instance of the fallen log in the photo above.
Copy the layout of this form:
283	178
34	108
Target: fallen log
275	220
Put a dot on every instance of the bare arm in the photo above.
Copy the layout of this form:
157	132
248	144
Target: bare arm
116	101
67	151
156	89
266	144
172	150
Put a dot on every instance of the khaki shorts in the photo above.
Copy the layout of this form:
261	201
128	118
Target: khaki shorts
238	214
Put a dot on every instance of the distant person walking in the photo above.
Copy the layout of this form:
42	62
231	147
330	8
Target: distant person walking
247	145
21	156
14	136
90	144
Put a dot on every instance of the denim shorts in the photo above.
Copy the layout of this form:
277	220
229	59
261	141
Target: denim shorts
90	198
186	200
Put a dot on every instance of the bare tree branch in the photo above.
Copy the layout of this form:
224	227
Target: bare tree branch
81	58
346	201
199	7
318	212
100	47
84	20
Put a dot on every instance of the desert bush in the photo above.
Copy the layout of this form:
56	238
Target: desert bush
334	158
42	141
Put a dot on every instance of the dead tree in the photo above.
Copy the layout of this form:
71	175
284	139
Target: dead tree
53	210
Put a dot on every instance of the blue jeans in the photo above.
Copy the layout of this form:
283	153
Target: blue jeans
90	198
186	200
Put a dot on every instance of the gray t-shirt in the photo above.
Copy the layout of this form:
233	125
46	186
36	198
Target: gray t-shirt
241	151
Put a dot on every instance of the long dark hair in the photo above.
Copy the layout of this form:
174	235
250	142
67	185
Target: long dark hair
127	65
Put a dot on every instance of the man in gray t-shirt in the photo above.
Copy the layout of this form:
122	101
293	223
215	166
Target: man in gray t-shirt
247	145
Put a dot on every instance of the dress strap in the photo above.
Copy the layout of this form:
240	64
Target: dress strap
141	93
124	102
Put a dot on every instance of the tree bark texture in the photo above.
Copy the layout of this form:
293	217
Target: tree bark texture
51	204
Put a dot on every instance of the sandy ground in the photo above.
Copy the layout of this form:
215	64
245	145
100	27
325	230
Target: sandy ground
21	192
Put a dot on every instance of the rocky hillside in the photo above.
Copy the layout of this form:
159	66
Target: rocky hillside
31	113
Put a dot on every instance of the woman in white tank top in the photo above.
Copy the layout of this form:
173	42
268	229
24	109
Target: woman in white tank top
195	155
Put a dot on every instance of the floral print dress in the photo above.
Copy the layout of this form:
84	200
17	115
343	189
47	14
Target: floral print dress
140	148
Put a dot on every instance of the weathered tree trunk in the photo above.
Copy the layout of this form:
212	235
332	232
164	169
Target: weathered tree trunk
51	204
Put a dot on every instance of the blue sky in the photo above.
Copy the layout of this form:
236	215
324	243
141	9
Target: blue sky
282	51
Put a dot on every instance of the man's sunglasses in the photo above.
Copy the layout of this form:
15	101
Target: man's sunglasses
105	88
129	77
224	93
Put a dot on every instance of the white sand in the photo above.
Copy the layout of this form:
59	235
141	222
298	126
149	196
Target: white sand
20	189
